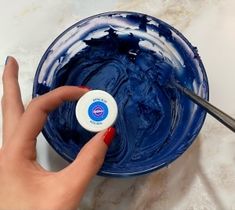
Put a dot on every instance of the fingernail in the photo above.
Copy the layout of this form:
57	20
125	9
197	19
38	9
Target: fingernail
85	87
6	60
109	135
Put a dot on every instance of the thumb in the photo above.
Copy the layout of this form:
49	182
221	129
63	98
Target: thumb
78	174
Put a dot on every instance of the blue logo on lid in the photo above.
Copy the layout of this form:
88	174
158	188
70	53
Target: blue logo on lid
98	111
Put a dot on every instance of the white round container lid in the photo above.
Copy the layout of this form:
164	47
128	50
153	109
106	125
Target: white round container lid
96	110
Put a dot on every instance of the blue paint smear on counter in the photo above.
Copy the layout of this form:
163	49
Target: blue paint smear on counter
135	58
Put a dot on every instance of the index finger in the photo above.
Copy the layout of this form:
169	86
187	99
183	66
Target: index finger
35	116
12	106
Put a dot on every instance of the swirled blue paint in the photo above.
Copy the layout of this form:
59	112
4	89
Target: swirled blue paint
135	58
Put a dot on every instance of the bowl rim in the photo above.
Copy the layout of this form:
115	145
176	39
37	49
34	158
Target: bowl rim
201	121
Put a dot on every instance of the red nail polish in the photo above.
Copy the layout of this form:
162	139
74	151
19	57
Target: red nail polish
109	135
84	87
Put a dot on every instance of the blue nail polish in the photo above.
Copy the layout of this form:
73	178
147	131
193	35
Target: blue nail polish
6	60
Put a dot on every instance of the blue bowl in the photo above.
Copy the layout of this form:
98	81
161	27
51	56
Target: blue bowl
134	57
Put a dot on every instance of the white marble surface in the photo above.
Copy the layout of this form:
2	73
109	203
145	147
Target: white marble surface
204	177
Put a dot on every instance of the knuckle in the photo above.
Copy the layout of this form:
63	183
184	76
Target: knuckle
5	101
2	100
4	77
95	159
60	89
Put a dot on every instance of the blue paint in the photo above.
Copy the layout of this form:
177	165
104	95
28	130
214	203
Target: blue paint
156	123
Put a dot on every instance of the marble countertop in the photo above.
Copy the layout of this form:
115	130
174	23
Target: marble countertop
203	178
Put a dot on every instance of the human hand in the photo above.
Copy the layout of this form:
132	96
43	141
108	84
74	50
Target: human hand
24	184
